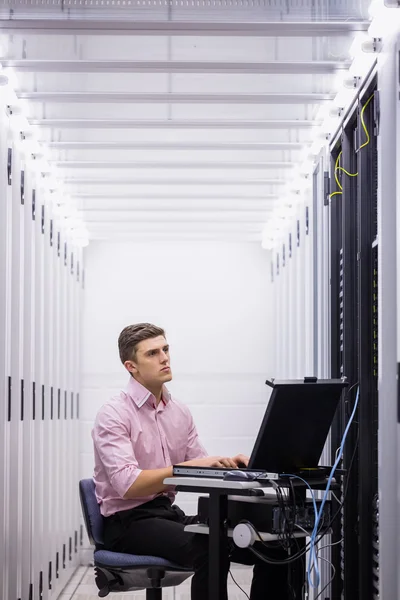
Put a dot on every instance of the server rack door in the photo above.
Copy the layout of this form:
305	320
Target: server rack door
388	167
345	352
28	378
336	260
279	315
290	321
286	308
322	273
350	354
48	483
300	295
354	347
16	345
398	270
309	287
63	385
58	476
367	184
38	550
5	290
71	488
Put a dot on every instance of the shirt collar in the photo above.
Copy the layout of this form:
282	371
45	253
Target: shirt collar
140	395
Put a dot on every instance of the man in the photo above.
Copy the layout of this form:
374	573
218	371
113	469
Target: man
138	436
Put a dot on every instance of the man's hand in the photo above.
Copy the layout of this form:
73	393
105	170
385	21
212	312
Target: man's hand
241	460
212	461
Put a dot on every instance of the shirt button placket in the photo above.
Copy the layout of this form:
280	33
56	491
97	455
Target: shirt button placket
162	438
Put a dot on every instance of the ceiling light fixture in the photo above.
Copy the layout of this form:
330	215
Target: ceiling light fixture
37	154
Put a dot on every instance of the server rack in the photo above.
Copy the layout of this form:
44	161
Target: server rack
354	350
40	302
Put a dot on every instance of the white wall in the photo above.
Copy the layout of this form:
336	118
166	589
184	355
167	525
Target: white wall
215	303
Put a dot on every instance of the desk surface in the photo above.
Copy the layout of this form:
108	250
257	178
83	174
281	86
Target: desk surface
206	482
256	488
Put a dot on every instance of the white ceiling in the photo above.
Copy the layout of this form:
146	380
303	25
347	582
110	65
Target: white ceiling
167	129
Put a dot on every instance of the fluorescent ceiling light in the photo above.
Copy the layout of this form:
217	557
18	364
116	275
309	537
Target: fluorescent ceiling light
35	152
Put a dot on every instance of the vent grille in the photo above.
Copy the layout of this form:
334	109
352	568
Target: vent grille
375	549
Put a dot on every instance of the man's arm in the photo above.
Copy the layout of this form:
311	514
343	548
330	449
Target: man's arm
113	443
150	481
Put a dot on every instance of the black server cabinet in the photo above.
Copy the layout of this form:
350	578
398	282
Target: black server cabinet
354	351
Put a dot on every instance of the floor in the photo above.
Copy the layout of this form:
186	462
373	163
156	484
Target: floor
82	587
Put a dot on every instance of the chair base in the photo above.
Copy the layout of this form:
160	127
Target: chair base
152	579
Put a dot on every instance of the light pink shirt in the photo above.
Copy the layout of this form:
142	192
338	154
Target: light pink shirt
130	434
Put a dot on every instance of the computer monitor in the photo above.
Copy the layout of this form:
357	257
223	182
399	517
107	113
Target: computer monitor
296	424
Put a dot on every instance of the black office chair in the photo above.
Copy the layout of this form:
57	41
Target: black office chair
117	572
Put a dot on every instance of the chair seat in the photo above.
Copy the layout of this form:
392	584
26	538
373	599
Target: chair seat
105	558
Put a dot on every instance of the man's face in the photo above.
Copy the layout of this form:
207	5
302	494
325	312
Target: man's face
151	364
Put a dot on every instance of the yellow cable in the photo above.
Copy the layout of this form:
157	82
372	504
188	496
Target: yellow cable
347	173
337	164
336	169
363	123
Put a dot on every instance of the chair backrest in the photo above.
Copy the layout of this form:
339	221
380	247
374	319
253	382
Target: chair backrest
91	512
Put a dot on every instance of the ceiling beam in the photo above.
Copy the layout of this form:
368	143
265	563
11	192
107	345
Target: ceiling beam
192	225
189	216
177	199
174	98
73	26
172	124
156	145
108	165
177	236
259	209
165	182
313	67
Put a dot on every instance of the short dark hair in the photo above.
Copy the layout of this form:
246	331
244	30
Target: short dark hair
132	335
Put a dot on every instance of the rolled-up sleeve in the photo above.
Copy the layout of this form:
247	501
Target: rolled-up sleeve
113	443
195	448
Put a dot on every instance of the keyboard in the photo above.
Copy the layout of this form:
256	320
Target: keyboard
223	473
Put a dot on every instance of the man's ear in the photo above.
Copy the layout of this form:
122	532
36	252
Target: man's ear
130	366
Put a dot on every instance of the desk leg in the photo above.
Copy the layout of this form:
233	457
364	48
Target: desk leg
218	512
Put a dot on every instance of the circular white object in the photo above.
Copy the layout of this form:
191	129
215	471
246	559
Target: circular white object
372	46
243	535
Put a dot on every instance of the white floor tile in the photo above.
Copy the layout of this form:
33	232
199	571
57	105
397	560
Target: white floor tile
71	586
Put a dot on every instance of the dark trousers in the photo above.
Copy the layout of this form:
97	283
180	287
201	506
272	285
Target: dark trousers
157	529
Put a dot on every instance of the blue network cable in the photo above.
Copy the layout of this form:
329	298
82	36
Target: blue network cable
313	561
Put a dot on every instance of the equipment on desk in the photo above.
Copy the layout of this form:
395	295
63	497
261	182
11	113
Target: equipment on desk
289	443
268	514
292	434
223	473
295	425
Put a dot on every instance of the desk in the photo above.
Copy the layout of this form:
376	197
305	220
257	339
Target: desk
219	492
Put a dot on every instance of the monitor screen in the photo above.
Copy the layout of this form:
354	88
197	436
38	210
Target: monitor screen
296	424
